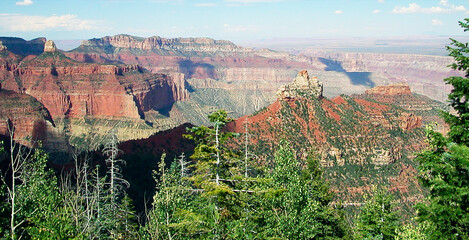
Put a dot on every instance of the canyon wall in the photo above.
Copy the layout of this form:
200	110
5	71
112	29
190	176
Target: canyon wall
73	90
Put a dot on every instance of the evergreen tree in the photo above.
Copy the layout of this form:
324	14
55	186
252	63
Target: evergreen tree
170	217
378	218
300	207
444	166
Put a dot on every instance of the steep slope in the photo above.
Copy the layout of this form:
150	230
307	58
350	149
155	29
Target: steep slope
82	95
361	142
27	117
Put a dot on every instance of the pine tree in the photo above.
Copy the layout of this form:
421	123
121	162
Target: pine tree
378	218
444	166
300	207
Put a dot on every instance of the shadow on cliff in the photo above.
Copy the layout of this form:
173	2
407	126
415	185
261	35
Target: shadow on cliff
356	78
197	69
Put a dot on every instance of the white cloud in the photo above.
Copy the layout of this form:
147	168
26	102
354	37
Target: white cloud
376	11
444	2
437	22
381	1
25	3
205	5
25	23
415	8
339	12
239	28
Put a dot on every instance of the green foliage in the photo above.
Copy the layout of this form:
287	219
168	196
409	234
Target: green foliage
378	218
169	217
39	212
411	232
445	171
459	96
300	208
444	166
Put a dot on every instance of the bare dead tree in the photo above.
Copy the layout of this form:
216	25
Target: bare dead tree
116	181
183	164
18	155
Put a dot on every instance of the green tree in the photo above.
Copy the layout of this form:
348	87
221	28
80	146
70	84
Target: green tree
378	218
301	206
444	166
170	217
36	207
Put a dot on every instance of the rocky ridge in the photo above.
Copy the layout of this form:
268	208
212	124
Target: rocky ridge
22	47
179	45
359	140
302	86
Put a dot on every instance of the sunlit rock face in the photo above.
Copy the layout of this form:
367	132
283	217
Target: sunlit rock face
302	86
50	46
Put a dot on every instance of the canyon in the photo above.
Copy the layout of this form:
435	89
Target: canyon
156	83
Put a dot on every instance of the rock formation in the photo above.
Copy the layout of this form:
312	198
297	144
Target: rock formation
358	140
301	87
49	46
203	46
75	91
2	47
28	118
390	90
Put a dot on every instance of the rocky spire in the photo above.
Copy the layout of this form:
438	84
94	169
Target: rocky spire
50	46
2	47
302	86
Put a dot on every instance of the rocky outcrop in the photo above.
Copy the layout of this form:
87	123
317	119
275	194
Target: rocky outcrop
409	121
358	140
49	46
301	87
2	47
390	90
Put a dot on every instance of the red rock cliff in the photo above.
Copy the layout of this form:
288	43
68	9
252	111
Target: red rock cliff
73	89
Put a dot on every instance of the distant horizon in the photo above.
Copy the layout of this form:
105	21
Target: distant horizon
426	45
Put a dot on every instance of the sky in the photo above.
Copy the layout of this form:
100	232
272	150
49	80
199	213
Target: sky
235	20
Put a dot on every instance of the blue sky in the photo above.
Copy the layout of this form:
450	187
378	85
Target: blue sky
236	20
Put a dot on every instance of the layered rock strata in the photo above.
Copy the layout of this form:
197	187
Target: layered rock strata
23	116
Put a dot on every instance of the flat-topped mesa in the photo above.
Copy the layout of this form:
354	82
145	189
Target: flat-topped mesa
49	46
302	86
165	44
395	89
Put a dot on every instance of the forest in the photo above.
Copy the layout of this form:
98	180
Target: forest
212	195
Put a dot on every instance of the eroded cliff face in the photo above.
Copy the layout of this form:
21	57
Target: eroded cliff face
25	117
203	46
423	73
74	90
